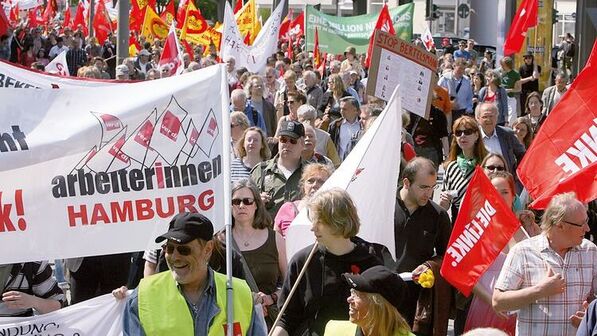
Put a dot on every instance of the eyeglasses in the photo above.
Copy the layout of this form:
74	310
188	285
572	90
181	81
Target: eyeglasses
182	249
577	225
284	139
245	201
467	131
494	168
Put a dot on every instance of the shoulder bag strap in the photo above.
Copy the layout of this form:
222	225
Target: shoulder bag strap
248	275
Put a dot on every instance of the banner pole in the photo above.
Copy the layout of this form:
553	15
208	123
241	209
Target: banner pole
294	287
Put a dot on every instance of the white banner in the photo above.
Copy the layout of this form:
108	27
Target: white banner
102	170
253	57
12	76
58	66
373	189
28	4
100	316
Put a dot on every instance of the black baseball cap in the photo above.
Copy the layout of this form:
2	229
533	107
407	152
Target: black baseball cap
186	227
293	129
379	280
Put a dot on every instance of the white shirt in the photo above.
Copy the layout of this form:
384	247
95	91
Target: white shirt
347	132
492	143
56	50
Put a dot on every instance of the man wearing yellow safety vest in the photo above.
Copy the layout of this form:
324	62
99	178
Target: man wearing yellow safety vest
190	298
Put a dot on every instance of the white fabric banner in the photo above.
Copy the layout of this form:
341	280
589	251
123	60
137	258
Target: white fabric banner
12	76
102	170
370	175
100	316
253	57
58	66
28	4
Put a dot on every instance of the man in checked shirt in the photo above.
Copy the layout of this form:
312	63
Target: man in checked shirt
550	278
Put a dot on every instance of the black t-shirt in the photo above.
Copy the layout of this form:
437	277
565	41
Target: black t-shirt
527	71
419	235
428	133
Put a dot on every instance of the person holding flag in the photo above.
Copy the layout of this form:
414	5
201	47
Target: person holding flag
550	278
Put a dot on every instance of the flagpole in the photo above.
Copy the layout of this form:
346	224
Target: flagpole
294	287
91	15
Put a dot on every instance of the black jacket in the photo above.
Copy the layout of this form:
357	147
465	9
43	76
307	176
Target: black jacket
322	293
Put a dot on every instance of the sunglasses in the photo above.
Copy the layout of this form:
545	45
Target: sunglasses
467	131
494	168
286	139
245	201
182	249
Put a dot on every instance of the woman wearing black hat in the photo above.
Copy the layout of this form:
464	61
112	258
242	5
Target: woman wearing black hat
374	299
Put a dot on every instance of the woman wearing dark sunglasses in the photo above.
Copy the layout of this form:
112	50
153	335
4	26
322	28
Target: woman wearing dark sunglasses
466	151
263	250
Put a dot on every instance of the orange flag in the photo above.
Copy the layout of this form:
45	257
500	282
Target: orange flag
153	25
316	52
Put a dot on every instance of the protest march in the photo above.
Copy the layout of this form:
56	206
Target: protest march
289	170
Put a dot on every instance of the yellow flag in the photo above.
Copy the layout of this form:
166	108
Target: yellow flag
194	26
153	26
247	22
133	50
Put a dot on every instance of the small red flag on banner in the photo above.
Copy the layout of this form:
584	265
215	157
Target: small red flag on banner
384	23
563	155
484	226
526	17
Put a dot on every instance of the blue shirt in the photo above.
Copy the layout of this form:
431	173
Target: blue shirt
460	89
255	117
202	316
462	54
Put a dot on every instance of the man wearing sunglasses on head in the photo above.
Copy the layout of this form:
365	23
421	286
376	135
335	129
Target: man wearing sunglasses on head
278	178
189	298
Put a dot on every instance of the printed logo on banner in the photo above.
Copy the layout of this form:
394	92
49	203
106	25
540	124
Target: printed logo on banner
155	155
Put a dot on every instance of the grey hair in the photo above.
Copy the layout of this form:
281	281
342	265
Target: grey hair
307	112
557	209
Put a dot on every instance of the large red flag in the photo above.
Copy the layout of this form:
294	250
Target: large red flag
102	24
66	21
80	18
4	22
285	25
563	155
137	16
181	13
384	23
484	226
172	54
526	17
14	14
50	11
316	52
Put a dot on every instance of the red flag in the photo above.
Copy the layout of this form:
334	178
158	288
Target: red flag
563	155
181	13
321	68
14	14
316	52
297	26
133	41
168	14
247	40
33	19
50	11
237	6
285	25
136	17
187	48
484	226
384	23
102	24
66	21
79	20
4	23
172	55
289	53
526	17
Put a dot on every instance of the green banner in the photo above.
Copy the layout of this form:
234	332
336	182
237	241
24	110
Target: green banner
337	33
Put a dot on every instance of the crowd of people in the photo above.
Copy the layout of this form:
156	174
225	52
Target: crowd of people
291	127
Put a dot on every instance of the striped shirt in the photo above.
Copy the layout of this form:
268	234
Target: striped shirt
238	170
455	179
526	266
75	58
43	285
